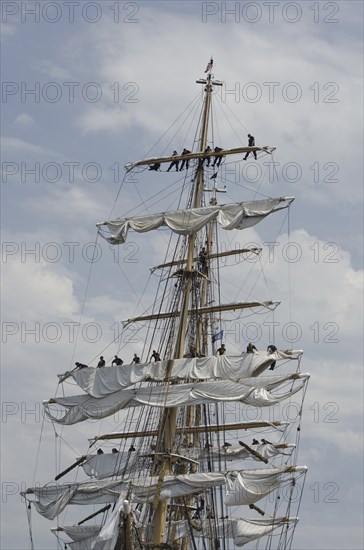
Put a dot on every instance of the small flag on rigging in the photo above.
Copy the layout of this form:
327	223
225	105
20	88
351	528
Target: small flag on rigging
217	336
209	65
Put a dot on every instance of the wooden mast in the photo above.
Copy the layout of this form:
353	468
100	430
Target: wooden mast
170	416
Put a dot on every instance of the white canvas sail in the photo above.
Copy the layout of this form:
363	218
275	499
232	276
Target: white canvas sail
243	487
186	222
81	407
247	487
237	452
106	465
242	531
95	537
79	532
101	382
109	464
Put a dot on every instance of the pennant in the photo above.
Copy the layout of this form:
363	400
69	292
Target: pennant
209	65
217	336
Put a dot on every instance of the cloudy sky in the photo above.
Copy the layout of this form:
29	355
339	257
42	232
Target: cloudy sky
89	86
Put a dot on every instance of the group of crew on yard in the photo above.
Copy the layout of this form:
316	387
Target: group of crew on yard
264	442
175	163
186	162
192	353
222	350
251	349
118	362
216	162
115	450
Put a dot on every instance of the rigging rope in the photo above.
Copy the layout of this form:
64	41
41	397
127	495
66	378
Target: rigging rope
28	509
188	109
289	264
84	300
38	450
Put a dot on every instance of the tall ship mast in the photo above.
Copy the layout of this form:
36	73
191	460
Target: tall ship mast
181	475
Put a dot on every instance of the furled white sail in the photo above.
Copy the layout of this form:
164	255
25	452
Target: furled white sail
237	452
108	536
115	464
78	532
96	537
52	499
185	222
109	464
243	487
101	382
241	531
247	487
84	544
245	530
81	407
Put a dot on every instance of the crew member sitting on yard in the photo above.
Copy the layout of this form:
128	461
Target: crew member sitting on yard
136	359
251	348
80	365
155	355
117	361
101	363
271	348
156	166
221	350
192	352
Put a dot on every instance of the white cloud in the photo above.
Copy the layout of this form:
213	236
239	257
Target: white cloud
7	31
53	70
68	204
14	145
46	291
98	119
24	120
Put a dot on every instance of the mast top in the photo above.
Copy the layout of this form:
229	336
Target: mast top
208	79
